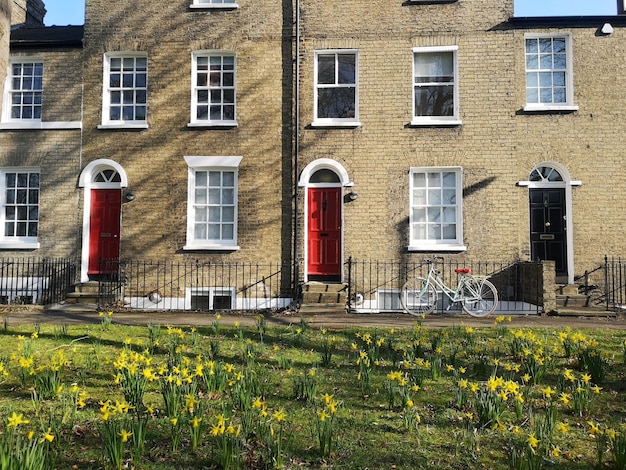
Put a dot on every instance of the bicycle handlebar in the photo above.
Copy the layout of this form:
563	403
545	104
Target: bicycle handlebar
434	259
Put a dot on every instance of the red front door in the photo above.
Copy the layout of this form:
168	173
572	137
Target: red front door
104	231
324	237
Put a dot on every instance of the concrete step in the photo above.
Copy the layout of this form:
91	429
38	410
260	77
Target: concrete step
323	287
324	297
575	300
322	309
567	289
87	298
90	287
584	312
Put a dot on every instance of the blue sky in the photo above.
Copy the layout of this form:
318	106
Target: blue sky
64	12
565	7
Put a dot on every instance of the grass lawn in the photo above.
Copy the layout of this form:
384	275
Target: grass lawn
159	397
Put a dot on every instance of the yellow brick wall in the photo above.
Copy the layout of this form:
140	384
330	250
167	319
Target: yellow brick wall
55	152
154	225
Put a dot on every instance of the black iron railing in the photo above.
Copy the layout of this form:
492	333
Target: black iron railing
195	285
374	285
35	281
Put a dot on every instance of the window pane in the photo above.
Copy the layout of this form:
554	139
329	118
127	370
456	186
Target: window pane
434	67
215	196
434	197
215	178
228	232
545	95
419	231
201	196
214	232
336	103
419	215
347	68
560	95
228	214
434	232
449	197
449	232
419	197
558	45
228	178
434	101
326	69
215	214
449	214
419	180
201	214
228	196
200	232
434	214
558	78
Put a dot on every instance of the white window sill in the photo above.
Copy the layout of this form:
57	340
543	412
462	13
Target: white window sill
435	122
347	124
533	108
437	247
39	125
211	247
220	6
124	126
18	245
215	124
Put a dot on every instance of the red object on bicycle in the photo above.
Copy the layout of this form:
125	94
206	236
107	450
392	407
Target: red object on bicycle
463	270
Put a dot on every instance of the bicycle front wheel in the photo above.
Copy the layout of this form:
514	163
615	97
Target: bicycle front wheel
418	296
480	297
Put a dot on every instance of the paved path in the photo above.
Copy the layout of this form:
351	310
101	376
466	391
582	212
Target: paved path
71	314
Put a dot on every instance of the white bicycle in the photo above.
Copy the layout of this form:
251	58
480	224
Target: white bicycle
476	295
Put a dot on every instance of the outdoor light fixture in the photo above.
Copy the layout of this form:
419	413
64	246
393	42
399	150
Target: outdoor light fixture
607	29
130	196
352	195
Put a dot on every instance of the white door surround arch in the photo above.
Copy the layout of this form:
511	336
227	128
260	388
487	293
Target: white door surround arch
99	174
553	175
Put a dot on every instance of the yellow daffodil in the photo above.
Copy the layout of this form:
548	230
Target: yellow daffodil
15	420
124	434
532	441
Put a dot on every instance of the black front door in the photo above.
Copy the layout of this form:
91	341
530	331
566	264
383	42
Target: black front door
548	239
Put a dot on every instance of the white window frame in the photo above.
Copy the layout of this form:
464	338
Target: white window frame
210	163
221	4
195	122
17	242
568	105
107	122
211	293
336	122
9	91
9	123
453	120
455	244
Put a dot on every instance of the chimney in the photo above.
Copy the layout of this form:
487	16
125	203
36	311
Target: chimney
28	13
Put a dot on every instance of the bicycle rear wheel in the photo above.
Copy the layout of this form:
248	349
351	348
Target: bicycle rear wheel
418	296
480	297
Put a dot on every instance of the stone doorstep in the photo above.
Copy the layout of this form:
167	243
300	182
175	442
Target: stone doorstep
322	287
577	300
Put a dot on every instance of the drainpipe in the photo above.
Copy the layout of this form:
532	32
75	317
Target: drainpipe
296	169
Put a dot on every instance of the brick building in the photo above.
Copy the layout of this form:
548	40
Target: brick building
302	133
